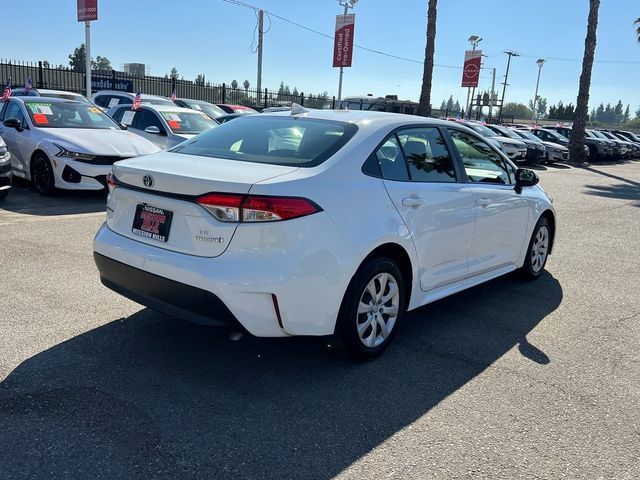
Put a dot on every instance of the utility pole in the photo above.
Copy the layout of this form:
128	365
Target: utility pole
87	51
534	117
260	35
474	40
493	87
347	4
511	53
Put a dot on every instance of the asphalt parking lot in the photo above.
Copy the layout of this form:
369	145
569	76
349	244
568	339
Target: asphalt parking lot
507	380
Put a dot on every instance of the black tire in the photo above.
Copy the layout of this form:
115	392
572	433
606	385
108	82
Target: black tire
42	175
349	319
533	267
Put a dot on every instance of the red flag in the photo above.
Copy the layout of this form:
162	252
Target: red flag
136	101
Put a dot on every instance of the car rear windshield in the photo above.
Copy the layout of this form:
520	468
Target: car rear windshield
299	142
48	114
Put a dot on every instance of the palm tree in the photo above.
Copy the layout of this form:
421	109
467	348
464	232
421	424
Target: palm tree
576	144
427	76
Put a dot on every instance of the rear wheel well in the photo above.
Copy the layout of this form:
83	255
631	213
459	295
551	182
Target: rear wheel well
548	214
399	255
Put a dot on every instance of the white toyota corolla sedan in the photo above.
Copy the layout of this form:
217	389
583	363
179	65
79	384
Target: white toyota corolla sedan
58	143
320	222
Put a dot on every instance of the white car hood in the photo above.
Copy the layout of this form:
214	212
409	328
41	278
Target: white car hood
556	146
119	143
510	141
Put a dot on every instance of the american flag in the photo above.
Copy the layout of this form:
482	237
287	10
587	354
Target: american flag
136	101
28	85
173	95
7	91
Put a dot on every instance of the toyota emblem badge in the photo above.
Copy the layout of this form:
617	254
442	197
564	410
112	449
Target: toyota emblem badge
148	181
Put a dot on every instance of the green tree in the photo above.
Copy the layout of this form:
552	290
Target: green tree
618	112
424	107
626	116
443	106
174	72
456	107
246	85
78	58
101	63
576	142
199	79
46	64
234	84
637	112
541	106
450	103
518	110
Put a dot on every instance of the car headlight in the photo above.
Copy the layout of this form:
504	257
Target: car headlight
74	155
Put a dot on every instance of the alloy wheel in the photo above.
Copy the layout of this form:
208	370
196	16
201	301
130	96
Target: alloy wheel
378	310
540	249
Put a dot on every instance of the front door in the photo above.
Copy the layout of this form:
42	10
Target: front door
501	212
424	184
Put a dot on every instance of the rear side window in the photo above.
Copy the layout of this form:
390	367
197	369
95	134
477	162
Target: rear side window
427	156
300	142
391	161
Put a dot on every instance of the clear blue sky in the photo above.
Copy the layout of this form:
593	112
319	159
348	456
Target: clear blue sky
214	37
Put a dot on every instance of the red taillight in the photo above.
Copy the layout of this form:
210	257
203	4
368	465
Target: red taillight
254	208
111	182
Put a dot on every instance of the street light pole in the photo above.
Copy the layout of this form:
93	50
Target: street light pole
347	4
534	117
474	40
260	37
511	53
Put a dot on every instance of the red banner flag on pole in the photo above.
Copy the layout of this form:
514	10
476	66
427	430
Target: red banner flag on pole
471	72
343	40
87	10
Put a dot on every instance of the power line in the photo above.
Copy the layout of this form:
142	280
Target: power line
309	29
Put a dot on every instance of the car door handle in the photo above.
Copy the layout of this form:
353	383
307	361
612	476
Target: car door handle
413	202
483	202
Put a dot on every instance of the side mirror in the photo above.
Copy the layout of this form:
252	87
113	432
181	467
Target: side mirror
13	123
124	126
152	129
525	178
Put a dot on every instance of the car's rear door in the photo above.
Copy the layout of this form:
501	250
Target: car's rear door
502	214
424	184
20	143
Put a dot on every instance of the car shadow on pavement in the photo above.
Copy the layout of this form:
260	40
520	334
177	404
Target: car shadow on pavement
25	201
627	190
149	396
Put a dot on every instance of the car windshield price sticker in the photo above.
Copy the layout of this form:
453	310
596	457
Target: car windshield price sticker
40	119
152	222
113	102
127	118
45	109
196	107
174	124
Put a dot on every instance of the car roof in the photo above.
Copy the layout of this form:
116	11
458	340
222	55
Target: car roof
193	100
367	119
128	94
160	108
47	99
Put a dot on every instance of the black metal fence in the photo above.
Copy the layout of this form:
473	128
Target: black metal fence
45	76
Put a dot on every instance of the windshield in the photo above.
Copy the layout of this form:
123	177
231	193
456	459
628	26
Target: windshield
599	134
68	115
527	135
481	129
188	123
212	110
299	142
632	136
506	132
557	136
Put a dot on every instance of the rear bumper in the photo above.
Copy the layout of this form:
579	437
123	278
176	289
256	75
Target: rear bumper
304	265
164	295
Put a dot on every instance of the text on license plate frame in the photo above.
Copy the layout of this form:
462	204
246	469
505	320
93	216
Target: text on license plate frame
152	222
